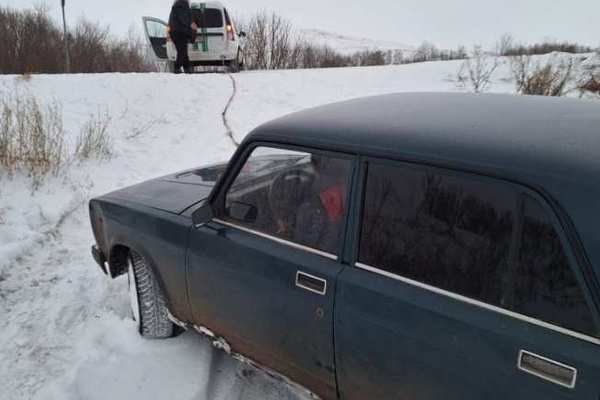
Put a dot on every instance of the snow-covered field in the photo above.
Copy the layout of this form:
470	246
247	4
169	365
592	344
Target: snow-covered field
65	330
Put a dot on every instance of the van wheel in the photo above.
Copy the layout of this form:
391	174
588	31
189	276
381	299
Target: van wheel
237	64
148	303
171	67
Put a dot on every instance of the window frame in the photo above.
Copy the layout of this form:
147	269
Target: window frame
520	192
219	200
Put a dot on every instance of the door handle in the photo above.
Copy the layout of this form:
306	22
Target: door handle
311	283
547	369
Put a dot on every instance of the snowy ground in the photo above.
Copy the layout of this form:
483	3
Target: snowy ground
65	331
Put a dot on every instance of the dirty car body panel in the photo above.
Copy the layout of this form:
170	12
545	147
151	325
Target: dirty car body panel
466	265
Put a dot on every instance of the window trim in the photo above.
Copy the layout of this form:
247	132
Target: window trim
238	164
277	239
479	304
520	190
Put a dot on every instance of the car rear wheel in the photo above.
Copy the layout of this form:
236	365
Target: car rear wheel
148	303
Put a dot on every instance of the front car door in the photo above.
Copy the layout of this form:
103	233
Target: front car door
463	288
157	36
263	273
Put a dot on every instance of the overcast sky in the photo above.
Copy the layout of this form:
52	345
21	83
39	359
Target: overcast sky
445	23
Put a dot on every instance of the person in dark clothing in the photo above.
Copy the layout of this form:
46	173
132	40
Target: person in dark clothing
183	31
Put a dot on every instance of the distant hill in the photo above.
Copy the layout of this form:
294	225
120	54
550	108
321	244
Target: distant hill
349	45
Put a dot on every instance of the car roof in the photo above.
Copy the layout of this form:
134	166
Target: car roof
549	144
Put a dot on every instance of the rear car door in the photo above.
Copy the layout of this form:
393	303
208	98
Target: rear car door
464	287
263	273
211	29
156	33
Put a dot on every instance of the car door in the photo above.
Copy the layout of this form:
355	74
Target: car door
463	288
263	273
156	32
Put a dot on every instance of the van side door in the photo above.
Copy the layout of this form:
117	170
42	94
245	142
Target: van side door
463	287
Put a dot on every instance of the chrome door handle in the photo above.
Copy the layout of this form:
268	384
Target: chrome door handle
311	283
547	369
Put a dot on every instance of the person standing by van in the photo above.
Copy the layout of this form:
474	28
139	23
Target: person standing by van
183	31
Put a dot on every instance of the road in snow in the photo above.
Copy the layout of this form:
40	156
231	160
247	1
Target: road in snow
65	331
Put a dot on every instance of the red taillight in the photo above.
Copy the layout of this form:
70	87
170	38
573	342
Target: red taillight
230	33
168	33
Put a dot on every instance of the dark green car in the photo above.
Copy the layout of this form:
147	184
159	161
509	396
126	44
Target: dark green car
411	246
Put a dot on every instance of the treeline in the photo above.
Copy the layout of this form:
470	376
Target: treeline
545	48
273	43
32	42
509	47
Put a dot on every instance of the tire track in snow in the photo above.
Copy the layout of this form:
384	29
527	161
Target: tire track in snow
44	237
228	129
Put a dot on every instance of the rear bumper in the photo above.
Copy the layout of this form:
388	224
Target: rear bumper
100	259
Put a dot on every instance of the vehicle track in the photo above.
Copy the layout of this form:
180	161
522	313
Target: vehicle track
228	129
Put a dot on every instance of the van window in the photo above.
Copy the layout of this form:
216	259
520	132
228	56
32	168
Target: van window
545	286
212	18
296	196
446	231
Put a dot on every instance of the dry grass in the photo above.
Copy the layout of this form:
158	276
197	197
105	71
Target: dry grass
31	138
551	79
94	141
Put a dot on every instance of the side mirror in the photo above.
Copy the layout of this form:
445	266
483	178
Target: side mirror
242	34
242	212
203	215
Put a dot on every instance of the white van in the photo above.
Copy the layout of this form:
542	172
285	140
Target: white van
218	42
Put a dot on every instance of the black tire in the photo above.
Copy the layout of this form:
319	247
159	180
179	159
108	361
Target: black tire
171	66
237	64
154	322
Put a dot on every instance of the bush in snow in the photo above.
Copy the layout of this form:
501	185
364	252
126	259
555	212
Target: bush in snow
31	138
589	81
476	72
550	79
94	140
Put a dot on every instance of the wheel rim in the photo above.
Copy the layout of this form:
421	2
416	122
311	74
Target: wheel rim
133	295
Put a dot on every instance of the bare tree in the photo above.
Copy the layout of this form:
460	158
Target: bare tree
33	43
476	72
504	44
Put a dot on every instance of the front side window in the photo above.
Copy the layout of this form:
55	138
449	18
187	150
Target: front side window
445	231
296	196
156	29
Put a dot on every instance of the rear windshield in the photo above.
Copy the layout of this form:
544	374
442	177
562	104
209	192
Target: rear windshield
211	18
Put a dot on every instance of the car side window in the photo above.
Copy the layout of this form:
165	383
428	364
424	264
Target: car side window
446	231
545	285
296	196
456	233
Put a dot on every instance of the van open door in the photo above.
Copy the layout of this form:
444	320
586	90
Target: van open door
157	35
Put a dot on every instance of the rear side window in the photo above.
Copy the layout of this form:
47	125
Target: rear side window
445	231
545	286
463	235
210	18
297	196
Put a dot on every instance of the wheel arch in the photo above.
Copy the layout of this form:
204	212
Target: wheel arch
118	262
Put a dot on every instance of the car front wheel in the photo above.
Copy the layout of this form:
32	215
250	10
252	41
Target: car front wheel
148	303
